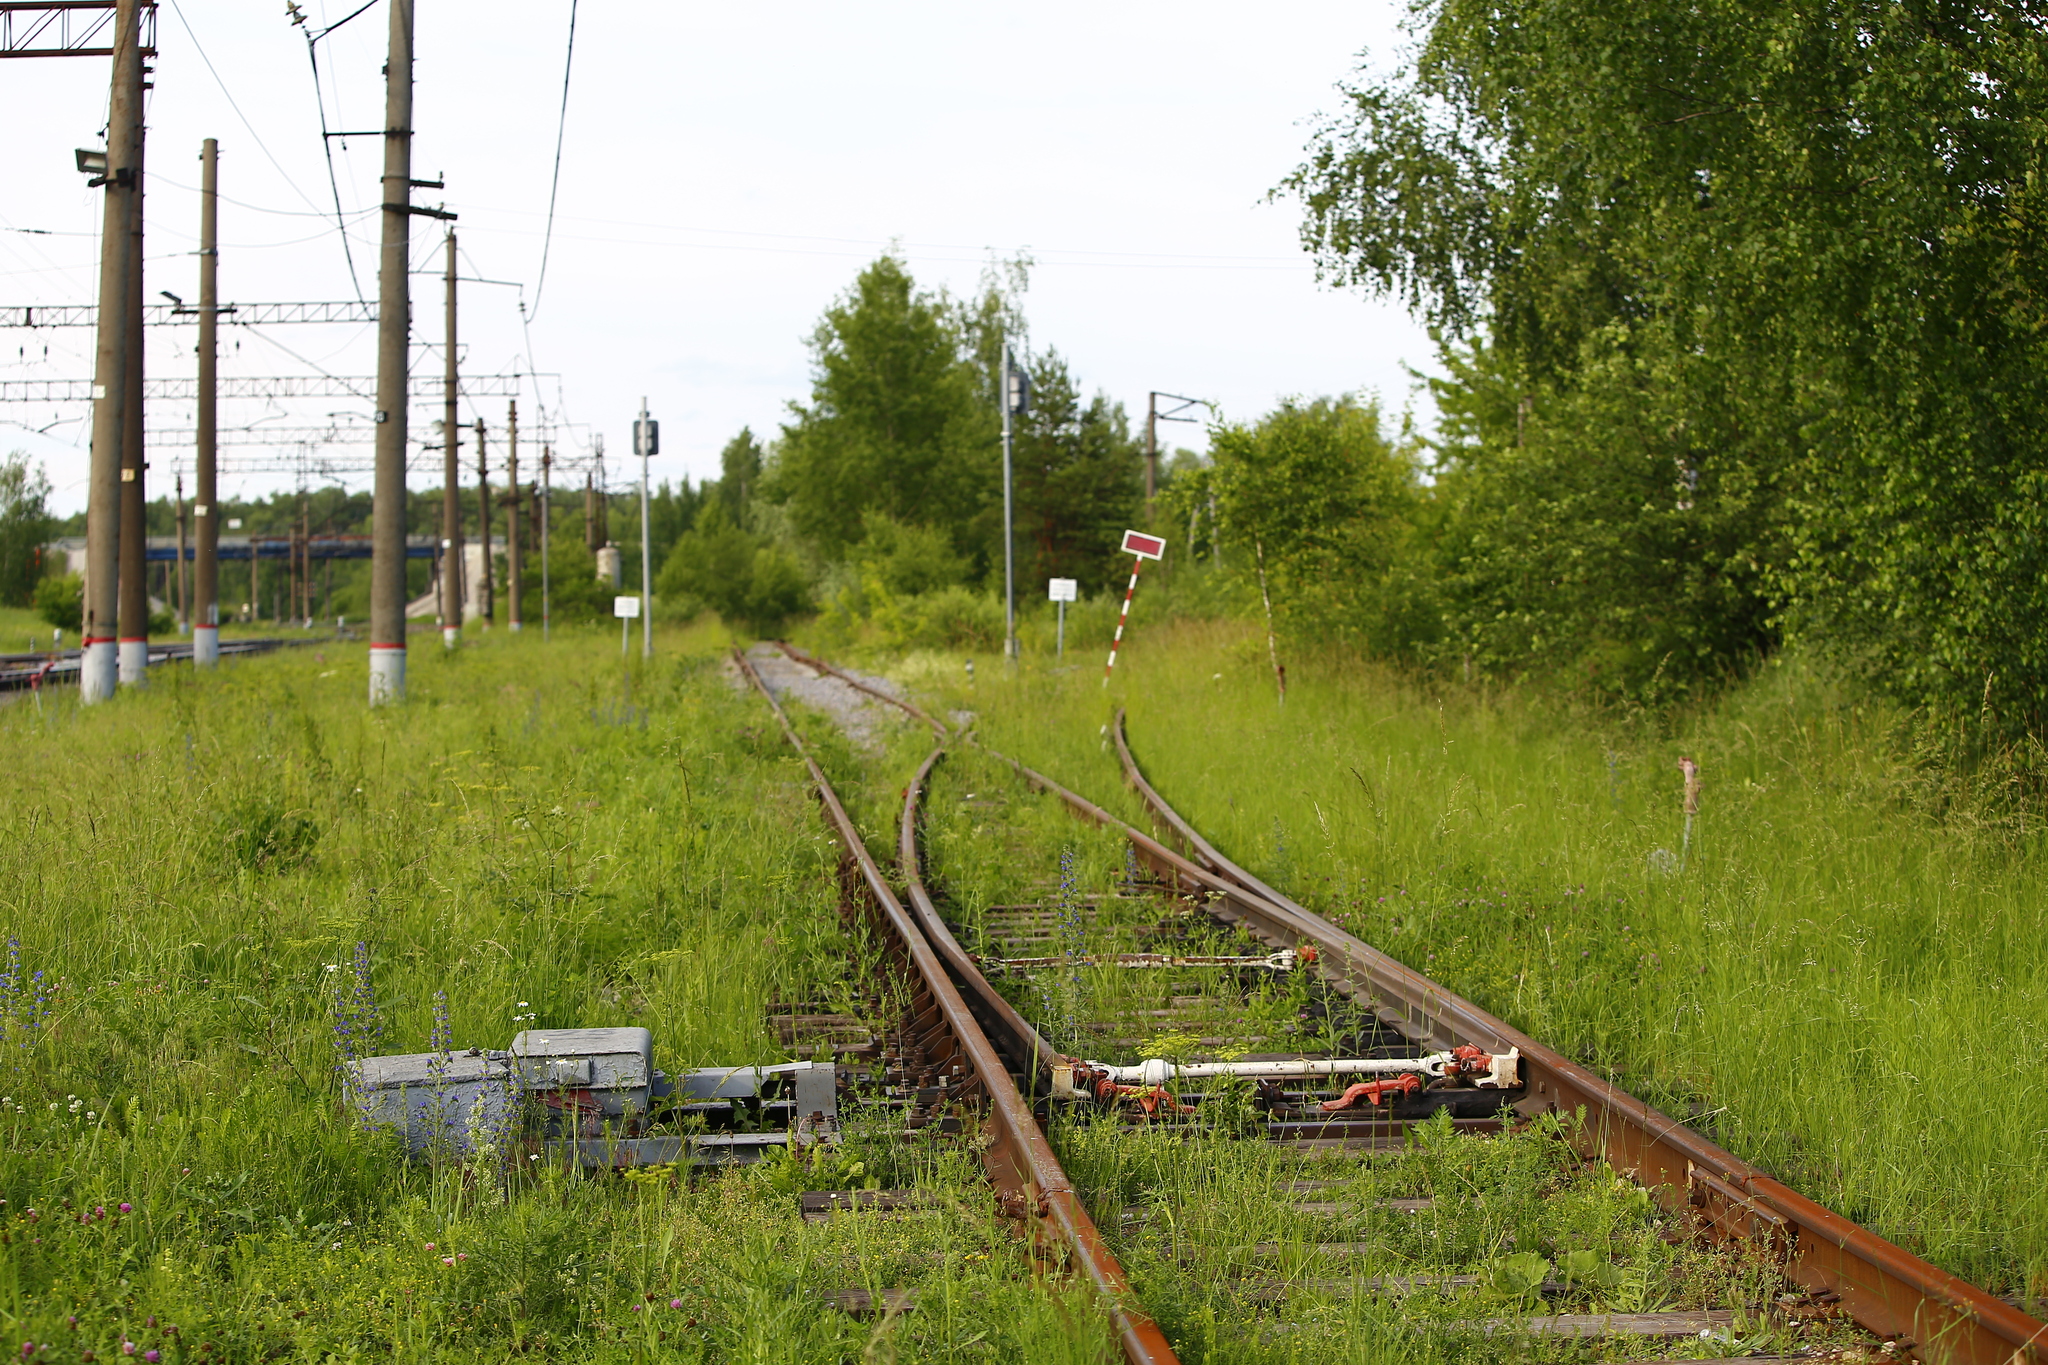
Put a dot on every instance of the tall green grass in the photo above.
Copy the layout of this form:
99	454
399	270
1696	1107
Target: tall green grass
537	832
1227	1241
1841	977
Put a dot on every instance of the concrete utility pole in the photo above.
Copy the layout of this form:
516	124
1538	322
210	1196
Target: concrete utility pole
646	436
394	315
512	563
1151	452
98	669
604	498
1153	417
547	463
451	478
205	515
184	599
486	608
183	602
133	667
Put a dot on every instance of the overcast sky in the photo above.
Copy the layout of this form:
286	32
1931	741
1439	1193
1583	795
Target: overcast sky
726	171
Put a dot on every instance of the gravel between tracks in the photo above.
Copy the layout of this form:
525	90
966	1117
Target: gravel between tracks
860	716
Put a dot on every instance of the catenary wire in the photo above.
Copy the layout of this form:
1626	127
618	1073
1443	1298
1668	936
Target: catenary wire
327	151
257	137
555	184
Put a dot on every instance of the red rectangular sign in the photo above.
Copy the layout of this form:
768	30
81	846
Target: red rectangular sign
1143	546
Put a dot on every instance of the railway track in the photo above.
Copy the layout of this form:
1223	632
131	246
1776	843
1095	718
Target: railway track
19	672
1369	1081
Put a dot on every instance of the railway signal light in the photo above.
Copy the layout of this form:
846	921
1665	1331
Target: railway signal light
1019	393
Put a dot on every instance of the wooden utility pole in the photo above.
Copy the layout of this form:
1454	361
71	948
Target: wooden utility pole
512	563
394	315
205	514
184	598
486	608
451	476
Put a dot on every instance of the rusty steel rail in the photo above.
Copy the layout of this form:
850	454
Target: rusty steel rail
1885	1288
1927	1312
1021	1164
1026	1049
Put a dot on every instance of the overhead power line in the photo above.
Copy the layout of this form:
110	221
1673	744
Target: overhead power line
326	141
554	185
230	97
175	438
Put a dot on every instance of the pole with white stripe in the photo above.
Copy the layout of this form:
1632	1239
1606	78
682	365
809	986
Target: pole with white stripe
1141	547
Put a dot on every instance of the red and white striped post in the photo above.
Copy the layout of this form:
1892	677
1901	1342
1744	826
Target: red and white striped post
1142	547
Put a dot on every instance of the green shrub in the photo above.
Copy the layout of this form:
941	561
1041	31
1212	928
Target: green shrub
745	578
61	601
954	618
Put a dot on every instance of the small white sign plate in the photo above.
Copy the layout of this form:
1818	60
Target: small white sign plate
1063	590
625	606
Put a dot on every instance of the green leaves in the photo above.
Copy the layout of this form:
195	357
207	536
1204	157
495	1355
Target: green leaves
1517	1278
1788	254
747	579
1077	484
1334	508
1588	1269
25	523
896	423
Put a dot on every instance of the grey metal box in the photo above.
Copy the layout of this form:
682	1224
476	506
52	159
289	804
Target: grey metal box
614	1065
458	1099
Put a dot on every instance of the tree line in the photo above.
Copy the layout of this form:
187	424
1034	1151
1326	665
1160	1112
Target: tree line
881	496
1740	320
1742	328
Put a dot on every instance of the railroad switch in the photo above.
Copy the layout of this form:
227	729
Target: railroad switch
592	1098
1372	1092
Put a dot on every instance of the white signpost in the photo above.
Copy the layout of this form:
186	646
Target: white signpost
626	609
1063	591
1141	547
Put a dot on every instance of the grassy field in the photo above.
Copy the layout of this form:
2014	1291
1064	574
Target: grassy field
1838	973
1228	1241
185	877
1844	939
